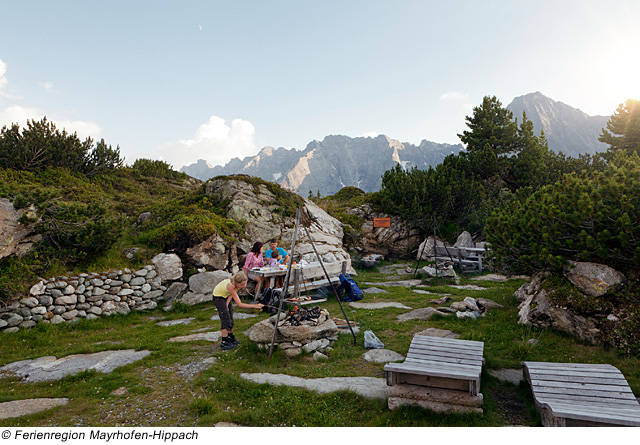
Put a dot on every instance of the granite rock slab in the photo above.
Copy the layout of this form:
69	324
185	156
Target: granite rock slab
50	368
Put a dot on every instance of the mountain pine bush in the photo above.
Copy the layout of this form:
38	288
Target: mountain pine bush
582	217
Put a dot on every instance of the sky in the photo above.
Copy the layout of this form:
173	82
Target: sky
188	80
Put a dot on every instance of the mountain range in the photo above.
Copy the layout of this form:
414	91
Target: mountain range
337	161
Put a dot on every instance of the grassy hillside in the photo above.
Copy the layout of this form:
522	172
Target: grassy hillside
86	222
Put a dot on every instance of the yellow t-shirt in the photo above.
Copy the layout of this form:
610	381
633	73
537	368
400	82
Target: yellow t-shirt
221	289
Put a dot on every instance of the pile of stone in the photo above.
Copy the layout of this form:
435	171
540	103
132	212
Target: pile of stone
310	336
91	295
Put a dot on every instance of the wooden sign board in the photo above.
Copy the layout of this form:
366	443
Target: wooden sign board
381	222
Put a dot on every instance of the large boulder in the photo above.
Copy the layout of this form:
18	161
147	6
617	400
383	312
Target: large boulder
593	279
465	240
15	238
212	252
205	282
168	266
425	249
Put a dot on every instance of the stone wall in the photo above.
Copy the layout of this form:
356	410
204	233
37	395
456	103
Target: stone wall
86	295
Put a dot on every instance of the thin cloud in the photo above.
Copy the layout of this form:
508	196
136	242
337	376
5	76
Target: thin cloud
17	114
214	141
454	96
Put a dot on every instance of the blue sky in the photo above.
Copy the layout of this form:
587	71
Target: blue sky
189	80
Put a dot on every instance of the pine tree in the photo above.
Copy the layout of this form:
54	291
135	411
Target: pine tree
625	123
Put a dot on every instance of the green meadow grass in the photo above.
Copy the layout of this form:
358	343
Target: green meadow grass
156	393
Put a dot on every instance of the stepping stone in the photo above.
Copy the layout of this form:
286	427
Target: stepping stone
424	313
440	333
208	336
236	316
374	290
382	356
514	376
18	408
405	283
468	287
45	369
370	387
175	322
490	277
378	305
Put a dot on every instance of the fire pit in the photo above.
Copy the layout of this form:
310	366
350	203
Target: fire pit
299	329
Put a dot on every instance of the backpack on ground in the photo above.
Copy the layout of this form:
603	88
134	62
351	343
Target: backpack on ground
270	297
352	291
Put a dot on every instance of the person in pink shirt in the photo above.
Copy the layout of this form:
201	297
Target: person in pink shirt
254	259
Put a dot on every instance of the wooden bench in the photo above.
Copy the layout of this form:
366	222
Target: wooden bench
467	258
441	374
576	394
311	276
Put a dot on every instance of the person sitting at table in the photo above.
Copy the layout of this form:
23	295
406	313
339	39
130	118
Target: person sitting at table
284	256
254	259
275	259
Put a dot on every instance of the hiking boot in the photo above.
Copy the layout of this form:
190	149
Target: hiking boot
234	340
227	344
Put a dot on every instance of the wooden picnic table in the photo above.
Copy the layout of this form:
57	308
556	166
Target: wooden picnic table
305	276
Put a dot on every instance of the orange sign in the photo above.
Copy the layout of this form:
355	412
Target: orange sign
381	222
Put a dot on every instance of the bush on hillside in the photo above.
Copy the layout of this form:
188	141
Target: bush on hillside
156	169
582	217
41	145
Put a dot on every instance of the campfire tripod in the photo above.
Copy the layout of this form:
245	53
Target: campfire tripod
285	287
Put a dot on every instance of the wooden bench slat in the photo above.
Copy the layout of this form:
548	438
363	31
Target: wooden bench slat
448	341
573	385
571	398
476	358
578	377
444	358
464	346
573	412
469	370
432	370
584	392
569	366
445	349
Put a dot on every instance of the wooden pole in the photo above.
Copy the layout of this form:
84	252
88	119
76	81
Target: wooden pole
285	287
331	284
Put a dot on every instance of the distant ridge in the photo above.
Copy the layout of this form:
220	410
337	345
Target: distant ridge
338	161
331	164
567	129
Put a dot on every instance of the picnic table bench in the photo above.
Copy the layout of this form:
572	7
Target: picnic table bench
577	394
467	258
447	372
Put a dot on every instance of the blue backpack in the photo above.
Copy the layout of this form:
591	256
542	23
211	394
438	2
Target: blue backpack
351	290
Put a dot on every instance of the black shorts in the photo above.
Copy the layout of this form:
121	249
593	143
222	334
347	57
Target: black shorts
225	311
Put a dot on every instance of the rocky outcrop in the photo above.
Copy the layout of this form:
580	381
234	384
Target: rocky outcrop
537	308
15	238
258	206
399	240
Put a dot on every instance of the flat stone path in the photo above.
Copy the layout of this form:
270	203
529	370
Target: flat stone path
18	408
405	283
374	290
468	287
370	387
50	368
208	336
377	305
175	322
